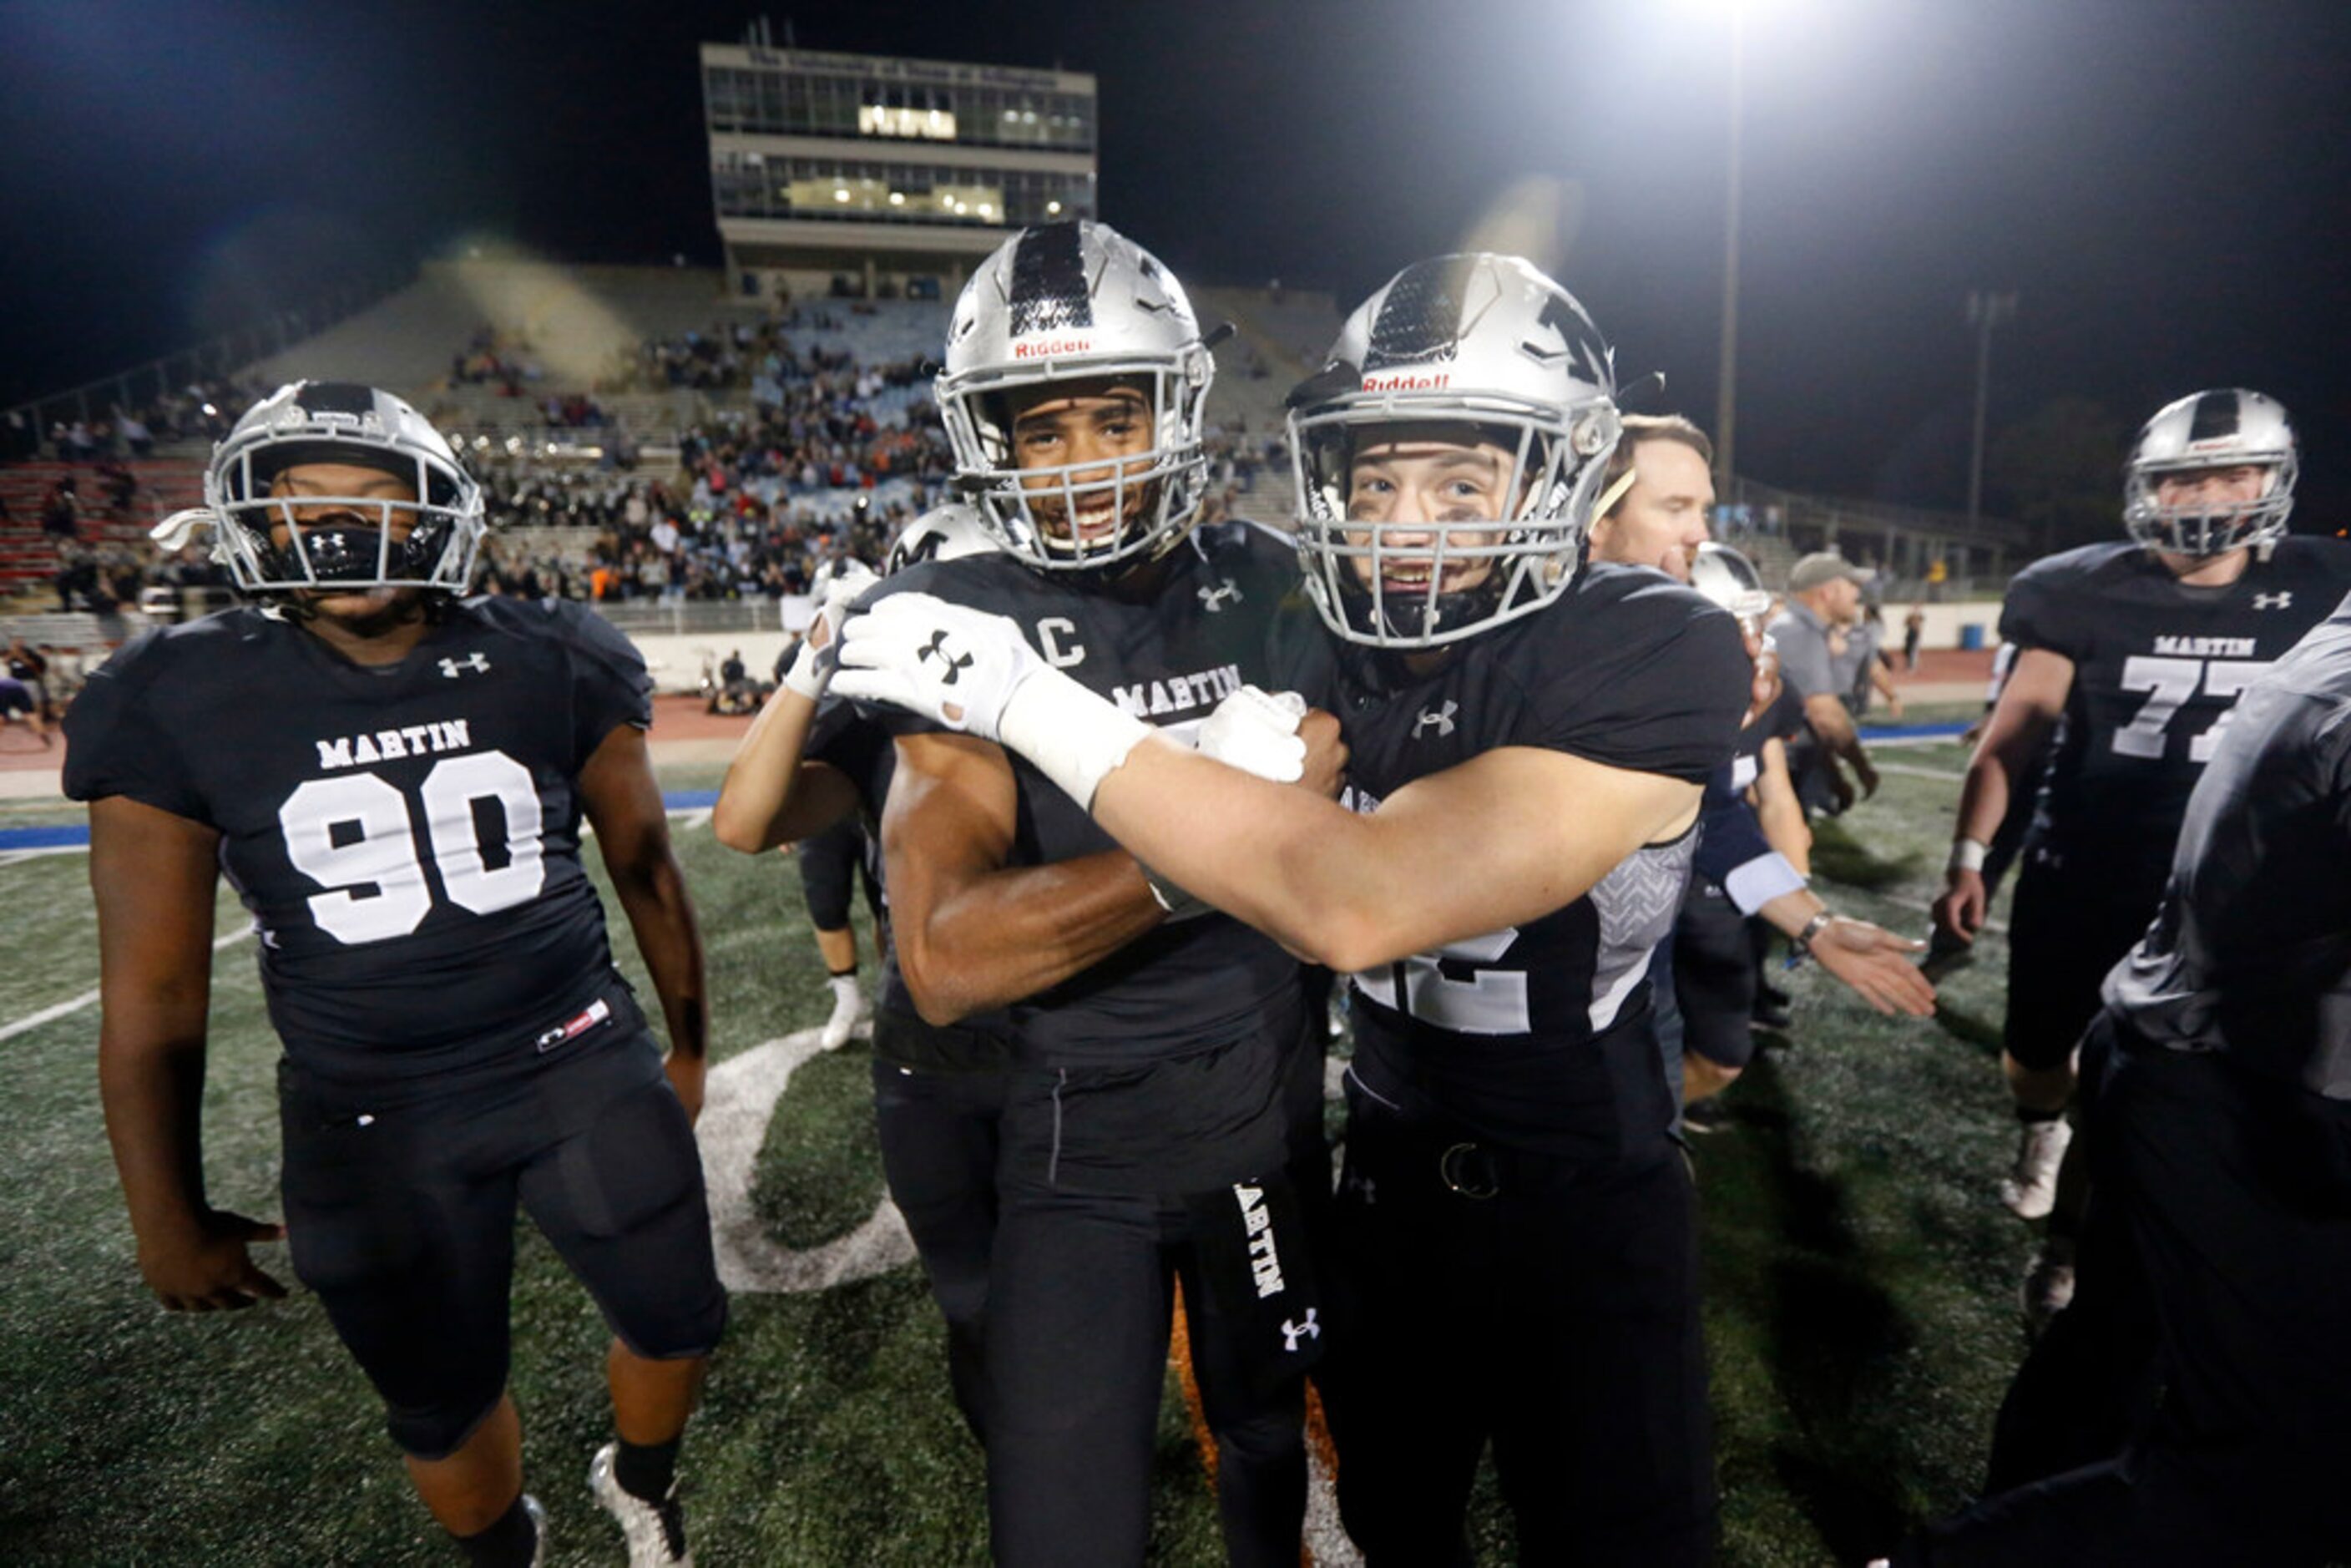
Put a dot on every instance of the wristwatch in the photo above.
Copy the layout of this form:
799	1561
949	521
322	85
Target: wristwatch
1800	942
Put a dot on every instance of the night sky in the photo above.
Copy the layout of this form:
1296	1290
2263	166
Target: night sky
2163	183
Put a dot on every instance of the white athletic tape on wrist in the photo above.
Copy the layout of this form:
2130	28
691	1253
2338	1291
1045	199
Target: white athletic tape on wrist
811	672
1968	854
1072	735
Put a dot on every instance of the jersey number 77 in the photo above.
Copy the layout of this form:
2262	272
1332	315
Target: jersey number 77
2170	683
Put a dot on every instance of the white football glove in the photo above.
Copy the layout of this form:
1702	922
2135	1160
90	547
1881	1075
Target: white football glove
974	672
812	668
1257	732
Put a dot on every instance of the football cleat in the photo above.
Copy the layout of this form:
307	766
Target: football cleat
2049	1283
656	1532
2029	1188
847	1006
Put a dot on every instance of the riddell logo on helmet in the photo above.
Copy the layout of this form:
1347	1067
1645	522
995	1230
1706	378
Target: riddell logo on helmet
1406	380
1047	348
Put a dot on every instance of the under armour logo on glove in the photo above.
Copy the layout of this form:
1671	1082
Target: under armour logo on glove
947	662
1216	597
938	648
1292	1332
453	668
1442	718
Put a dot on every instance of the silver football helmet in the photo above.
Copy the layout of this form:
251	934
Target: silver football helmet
1069	304
943	533
2224	428
342	541
1726	577
1476	349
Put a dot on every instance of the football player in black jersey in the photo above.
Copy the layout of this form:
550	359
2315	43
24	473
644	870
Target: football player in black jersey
1753	854
2138	649
2220	1138
1527	741
2133	653
938	1091
1161	1048
393	779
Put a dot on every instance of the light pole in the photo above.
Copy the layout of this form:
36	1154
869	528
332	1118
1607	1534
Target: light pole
1725	391
1985	311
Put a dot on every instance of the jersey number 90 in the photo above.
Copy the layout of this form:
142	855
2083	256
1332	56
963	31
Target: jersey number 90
358	832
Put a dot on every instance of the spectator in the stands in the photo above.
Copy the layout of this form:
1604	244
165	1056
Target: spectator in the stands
61	509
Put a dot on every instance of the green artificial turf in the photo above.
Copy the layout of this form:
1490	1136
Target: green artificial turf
1860	1278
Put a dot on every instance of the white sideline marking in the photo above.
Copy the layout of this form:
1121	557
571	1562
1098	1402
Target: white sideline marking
13	856
90	998
738	1098
1912	771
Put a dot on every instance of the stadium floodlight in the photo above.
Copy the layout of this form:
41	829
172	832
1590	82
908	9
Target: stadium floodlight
1052	209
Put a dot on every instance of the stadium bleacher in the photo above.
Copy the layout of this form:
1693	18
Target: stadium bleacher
29	557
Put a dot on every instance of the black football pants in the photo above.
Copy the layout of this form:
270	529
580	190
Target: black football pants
1549	1305
2237	1191
1714	977
400	1216
939	1132
2092	1378
831	864
1079	1319
2073	921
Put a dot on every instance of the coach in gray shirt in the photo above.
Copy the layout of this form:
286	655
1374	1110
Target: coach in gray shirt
1823	592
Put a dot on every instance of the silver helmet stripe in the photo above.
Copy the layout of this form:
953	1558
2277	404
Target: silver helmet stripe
2222	428
316	422
1076	302
1488	347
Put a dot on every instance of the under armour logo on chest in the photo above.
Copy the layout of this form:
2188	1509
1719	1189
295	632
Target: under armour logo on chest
2278	600
1441	719
453	668
1221	594
938	648
1292	1332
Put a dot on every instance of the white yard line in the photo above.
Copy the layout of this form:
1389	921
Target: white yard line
90	998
